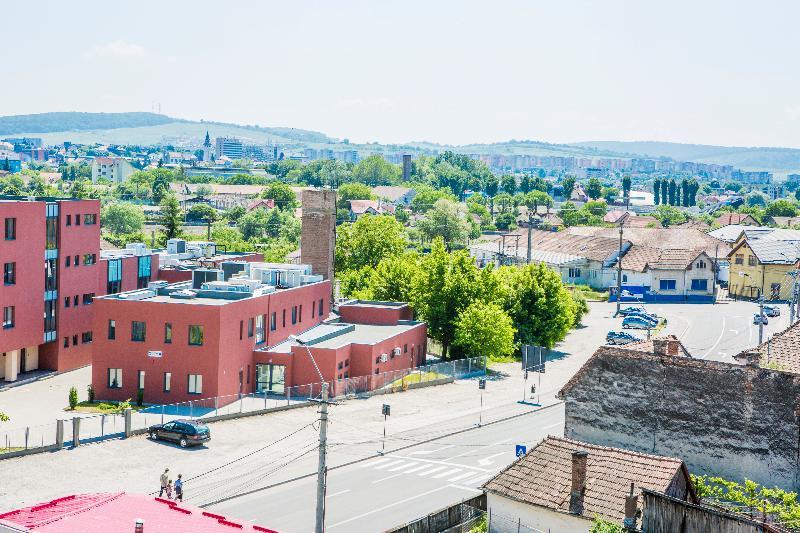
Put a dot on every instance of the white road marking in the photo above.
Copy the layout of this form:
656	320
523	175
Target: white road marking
431	470
345	491
488	460
387	478
445	463
425	452
719	339
381	509
471	449
464	487
393	463
477	479
461	476
447	473
402	467
416	469
370	464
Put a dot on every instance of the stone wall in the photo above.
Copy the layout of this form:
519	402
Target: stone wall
724	419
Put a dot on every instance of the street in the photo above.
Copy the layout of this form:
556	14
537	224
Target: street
387	491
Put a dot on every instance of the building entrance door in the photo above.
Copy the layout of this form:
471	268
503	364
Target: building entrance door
270	378
22	356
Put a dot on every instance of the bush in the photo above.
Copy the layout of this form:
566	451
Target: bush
90	393
73	398
581	307
139	397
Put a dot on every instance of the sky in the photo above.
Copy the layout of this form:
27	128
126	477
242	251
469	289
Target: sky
446	71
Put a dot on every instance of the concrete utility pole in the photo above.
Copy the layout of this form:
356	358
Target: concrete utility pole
760	319
793	301
322	467
530	231
619	268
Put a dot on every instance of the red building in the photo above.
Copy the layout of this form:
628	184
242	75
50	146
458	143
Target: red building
228	334
190	339
119	512
52	271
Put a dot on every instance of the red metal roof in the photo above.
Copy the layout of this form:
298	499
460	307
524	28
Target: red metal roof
102	512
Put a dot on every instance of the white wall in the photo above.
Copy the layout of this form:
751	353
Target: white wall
506	514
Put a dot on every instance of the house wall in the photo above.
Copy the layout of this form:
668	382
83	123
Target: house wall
508	514
759	278
366	314
722	419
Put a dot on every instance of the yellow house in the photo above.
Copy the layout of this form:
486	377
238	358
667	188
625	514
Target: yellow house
762	263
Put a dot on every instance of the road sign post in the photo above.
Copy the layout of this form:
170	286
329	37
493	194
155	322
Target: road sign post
481	387
386	410
520	450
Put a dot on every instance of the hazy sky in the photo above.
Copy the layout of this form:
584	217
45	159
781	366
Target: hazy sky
716	72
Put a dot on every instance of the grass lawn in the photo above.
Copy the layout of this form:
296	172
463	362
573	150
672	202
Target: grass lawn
416	378
100	407
589	293
10	449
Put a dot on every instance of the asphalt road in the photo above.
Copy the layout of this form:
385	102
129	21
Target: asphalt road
387	491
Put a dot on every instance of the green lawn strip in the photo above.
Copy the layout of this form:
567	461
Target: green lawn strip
100	407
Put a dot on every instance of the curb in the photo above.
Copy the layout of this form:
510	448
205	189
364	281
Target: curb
361	460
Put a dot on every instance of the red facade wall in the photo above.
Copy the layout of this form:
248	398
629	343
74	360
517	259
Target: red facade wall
224	352
170	275
374	313
27	251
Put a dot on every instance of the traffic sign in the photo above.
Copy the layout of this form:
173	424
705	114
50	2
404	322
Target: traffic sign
386	410
521	450
481	384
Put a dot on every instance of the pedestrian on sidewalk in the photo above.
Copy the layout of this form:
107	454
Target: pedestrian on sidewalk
164	480
179	489
169	489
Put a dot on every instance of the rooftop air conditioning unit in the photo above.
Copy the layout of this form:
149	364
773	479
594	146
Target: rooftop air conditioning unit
396	351
384	357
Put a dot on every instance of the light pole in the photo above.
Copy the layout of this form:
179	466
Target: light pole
760	311
619	266
322	468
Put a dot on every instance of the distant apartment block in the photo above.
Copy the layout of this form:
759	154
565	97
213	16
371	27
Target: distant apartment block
114	169
230	147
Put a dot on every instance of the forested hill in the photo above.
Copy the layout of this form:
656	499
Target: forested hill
74	121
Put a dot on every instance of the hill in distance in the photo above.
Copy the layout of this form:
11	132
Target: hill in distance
153	128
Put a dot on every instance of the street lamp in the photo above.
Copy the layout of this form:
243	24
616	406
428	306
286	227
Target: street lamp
760	311
322	469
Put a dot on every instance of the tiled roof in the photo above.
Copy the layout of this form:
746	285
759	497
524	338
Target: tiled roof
103	512
726	219
362	206
642	221
786	221
543	477
639	258
676	238
782	351
590	247
390	193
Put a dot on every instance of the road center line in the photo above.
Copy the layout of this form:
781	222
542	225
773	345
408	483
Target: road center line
719	339
345	491
387	478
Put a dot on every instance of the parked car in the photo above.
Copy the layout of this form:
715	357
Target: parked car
760	319
620	337
184	432
772	310
637	322
624	311
650	318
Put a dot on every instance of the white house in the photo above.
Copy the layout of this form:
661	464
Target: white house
114	169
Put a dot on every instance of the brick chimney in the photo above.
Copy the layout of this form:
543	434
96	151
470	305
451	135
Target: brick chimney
631	509
579	459
667	346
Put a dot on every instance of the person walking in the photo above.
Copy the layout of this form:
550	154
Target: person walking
169	489
179	489
164	480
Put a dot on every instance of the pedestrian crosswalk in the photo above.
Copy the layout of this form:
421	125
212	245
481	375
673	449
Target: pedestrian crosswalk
442	470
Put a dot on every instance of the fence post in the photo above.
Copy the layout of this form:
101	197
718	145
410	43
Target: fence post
76	432
191	409
59	434
288	395
265	398
162	413
27	434
469	365
127	414
216	405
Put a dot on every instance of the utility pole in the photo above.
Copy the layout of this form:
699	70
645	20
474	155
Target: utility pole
619	268
760	319
322	467
793	301
530	232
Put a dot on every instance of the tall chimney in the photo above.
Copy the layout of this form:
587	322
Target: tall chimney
631	508
318	231
660	346
579	459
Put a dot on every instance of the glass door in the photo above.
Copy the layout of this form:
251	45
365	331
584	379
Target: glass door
270	378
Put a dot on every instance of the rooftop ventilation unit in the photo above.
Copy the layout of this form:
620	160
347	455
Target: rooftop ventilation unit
230	268
203	275
155	285
183	294
176	246
137	248
142	294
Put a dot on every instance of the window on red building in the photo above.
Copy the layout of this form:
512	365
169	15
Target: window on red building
195	384
66	342
294	314
167	333
273	321
260	337
313	309
68	261
300	313
112	330
90	219
167	381
69	220
241	329
8	317
250	327
86	336
11	229
114	378
138	331
10	273
321	308
74	340
75	300
284	318
141	379
195	335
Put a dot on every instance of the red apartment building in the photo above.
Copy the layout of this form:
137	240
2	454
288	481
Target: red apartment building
202	338
50	250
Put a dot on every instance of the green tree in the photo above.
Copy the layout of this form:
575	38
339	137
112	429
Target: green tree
447	220
234	213
393	280
567	186
626	188
427	197
448	284
171	216
375	170
781	208
352	191
594	189
756	199
81	188
122	218
598	208
508	183
4	417
672	193
656	191
664	191
484	329
541	308
281	193
669	215
525	185
367	241
601	525
202	213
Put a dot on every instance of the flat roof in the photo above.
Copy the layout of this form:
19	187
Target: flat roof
350	334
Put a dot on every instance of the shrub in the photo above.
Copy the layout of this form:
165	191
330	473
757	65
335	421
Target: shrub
90	393
139	397
73	398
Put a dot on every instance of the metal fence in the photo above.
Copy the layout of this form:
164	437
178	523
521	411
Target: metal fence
497	523
98	427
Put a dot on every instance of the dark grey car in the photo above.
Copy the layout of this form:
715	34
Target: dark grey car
184	432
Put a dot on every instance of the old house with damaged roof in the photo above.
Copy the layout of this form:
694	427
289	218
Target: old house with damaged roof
729	419
563	484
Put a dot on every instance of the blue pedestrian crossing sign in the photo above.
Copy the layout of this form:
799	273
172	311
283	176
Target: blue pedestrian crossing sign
521	450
